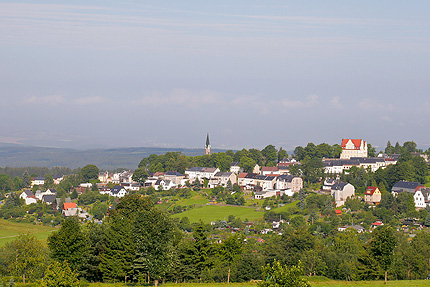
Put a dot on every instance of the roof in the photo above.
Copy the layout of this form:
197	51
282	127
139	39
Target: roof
269	168
355	142
207	141
409	186
39	178
116	189
236	163
286	177
243	175
338	211
68	205
223	174
338	185
29	192
173	173
48	198
370	190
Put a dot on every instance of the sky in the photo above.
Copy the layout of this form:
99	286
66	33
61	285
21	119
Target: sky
97	74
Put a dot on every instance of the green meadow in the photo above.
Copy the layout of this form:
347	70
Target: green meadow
9	230
317	282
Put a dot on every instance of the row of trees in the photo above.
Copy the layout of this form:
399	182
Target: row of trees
247	158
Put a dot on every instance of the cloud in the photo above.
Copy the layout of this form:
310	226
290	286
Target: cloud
335	102
53	100
372	105
89	100
180	97
309	101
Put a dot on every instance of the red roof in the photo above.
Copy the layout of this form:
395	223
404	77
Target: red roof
338	211
242	175
355	142
370	190
269	168
68	205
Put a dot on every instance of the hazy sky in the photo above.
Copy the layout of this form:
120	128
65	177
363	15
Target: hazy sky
142	73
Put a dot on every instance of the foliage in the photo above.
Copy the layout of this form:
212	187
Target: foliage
60	275
24	257
89	172
278	275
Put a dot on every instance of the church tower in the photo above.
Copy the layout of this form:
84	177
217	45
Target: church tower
207	145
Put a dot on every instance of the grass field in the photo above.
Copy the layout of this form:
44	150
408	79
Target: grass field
10	230
322	283
208	213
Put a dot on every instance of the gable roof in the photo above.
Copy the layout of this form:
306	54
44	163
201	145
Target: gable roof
68	205
370	190
48	198
339	185
116	189
355	142
409	186
269	168
173	173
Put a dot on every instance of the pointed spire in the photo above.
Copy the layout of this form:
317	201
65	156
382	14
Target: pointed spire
207	141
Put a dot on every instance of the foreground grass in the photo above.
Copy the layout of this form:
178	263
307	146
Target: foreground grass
316	283
10	230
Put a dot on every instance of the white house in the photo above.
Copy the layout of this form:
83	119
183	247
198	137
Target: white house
165	184
235	168
353	148
422	197
201	172
28	196
118	191
38	181
341	191
292	182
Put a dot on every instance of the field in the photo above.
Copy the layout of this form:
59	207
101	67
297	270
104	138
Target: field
316	283
9	230
208	213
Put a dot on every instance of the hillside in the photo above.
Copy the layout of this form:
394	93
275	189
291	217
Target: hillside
22	156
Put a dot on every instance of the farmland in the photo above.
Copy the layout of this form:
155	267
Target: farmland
9	230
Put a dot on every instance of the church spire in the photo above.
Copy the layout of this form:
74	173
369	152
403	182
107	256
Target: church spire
207	145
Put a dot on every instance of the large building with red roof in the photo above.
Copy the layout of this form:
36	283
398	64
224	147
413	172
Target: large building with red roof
353	148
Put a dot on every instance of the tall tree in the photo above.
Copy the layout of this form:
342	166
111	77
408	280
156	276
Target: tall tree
270	155
89	172
69	243
140	175
25	256
26	179
382	246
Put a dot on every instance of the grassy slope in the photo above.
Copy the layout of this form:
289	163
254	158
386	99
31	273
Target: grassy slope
208	213
9	230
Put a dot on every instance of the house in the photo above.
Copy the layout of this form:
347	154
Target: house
104	177
328	183
357	228
201	173
353	148
283	182
28	196
130	186
422	197
265	182
224	177
235	168
69	209
174	176
405	186
266	170
164	184
118	191
341	191
38	181
372	195
48	198
246	180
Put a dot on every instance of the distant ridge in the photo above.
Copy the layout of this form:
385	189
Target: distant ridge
112	158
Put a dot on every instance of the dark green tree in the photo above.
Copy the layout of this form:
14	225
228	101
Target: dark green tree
140	175
277	275
60	275
89	172
382	246
69	243
270	155
26	179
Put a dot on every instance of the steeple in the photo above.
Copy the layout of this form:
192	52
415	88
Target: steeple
207	145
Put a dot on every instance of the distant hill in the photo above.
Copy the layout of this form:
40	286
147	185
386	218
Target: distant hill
23	156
